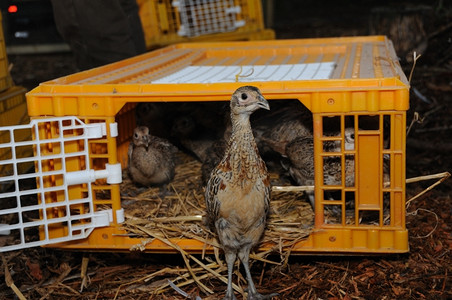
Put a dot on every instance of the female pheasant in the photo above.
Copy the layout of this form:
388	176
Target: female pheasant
151	159
238	191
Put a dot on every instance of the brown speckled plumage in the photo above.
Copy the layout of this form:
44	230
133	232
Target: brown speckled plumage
238	191
213	156
193	137
151	160
286	122
301	155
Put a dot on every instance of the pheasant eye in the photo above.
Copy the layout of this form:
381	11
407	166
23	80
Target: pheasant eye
244	96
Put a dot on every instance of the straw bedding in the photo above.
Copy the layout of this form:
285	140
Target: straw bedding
177	210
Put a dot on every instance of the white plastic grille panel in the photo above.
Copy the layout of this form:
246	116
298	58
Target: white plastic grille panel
249	73
201	17
40	197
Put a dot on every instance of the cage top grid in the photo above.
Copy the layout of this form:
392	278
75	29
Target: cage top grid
210	71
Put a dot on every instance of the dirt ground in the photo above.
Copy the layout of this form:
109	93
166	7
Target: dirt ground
423	273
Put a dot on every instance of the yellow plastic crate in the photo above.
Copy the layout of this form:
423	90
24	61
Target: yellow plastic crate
342	80
13	106
5	78
168	22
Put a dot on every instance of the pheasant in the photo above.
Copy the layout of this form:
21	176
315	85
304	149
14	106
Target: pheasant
238	192
213	156
156	116
151	159
206	144
288	121
300	153
193	137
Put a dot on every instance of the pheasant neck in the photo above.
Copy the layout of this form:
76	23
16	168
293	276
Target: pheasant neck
241	131
242	155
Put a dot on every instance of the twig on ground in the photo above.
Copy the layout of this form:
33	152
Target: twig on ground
442	176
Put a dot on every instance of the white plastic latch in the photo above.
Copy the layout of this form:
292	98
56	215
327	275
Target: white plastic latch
4	229
112	173
120	218
95	130
114	129
102	218
239	23
182	31
234	10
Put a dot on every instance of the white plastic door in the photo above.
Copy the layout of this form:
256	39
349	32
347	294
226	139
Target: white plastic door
45	182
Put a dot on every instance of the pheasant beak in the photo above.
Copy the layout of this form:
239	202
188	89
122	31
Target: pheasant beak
263	103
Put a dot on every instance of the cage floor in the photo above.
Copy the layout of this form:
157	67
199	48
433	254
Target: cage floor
177	210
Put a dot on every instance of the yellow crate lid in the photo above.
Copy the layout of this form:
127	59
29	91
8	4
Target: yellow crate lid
326	74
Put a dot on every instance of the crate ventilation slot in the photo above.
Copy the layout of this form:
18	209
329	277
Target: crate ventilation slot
53	197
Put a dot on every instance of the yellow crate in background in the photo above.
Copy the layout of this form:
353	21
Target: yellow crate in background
13	106
168	22
352	82
5	78
13	111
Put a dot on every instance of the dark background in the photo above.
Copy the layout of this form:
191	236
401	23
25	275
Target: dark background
423	273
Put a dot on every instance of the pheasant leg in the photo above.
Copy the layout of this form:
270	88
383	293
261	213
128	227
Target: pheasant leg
230	257
244	255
